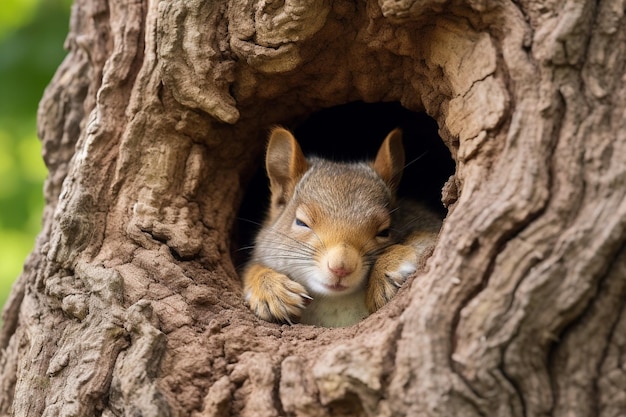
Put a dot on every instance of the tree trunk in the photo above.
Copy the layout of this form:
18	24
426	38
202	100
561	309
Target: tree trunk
152	127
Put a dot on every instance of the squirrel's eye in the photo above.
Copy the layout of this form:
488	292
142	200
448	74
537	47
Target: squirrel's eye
383	233
301	223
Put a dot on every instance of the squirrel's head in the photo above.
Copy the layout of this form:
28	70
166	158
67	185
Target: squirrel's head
337	213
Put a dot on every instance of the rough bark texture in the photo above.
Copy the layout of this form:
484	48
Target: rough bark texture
131	305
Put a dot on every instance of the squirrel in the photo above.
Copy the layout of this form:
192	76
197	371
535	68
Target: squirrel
335	245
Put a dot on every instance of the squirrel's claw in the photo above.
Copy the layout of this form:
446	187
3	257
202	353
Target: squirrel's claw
274	296
388	274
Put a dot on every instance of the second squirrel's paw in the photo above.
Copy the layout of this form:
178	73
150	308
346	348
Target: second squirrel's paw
388	274
273	296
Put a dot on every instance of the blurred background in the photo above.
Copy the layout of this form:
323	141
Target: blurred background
32	33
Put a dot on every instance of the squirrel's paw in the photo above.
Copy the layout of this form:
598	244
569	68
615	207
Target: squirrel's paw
388	274
273	296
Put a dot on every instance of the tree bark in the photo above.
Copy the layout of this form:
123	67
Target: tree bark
153	125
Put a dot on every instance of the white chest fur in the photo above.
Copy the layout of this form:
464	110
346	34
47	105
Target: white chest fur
336	311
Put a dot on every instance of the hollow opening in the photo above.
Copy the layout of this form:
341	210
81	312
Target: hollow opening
353	132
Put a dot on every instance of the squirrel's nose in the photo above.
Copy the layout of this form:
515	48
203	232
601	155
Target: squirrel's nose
339	271
342	260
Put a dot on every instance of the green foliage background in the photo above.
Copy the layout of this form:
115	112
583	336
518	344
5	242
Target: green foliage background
32	33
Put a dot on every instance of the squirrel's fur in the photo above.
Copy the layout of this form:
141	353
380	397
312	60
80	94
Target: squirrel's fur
334	246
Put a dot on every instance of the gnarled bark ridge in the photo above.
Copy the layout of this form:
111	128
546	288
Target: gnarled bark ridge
152	126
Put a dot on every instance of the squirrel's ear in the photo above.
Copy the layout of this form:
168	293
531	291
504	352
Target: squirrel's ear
285	164
389	161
